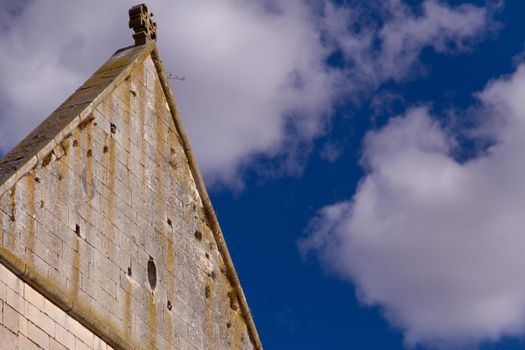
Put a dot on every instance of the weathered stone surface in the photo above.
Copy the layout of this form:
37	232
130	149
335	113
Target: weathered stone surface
110	225
30	322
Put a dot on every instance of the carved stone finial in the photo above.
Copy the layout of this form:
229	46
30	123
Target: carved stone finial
143	26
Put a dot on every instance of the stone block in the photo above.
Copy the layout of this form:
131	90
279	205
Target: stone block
38	336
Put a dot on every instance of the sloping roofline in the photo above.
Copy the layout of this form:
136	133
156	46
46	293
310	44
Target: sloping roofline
40	143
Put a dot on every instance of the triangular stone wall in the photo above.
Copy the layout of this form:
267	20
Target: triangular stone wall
105	215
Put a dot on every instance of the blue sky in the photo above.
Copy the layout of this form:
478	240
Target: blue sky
365	158
301	305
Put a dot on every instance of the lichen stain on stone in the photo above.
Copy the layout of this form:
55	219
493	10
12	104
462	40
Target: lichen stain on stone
8	239
139	72
234	303
11	230
220	311
30	225
210	321
138	76
75	269
152	321
159	122
159	188
110	190
127	99
62	169
170	267
237	330
62	149
77	164
127	307
12	203
47	159
87	171
232	326
141	116
86	122
126	116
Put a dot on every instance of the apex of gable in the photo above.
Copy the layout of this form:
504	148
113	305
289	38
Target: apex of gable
140	20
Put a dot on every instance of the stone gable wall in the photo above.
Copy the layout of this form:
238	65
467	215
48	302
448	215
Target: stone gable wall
113	200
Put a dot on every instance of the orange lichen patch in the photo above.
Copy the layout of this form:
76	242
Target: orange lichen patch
210	319
76	166
141	116
234	302
69	165
12	203
126	99
90	191
47	159
11	229
62	169
86	122
127	122
237	331
31	208
159	132
75	269
152	321
109	160
62	149
170	267
111	174
159	120
127	308
139	75
231	324
224	310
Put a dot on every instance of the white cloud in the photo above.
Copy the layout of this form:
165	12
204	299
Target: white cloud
256	79
437	243
248	71
391	35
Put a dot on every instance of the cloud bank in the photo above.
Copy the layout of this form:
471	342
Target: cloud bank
257	82
437	243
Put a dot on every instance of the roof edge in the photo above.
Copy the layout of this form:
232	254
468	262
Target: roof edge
208	207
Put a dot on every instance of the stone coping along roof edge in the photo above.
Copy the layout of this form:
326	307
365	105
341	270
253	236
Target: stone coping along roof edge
52	131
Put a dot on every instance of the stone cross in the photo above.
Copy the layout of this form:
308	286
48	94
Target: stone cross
140	19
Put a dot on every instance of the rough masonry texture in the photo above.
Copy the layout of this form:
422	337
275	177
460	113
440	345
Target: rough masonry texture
108	236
